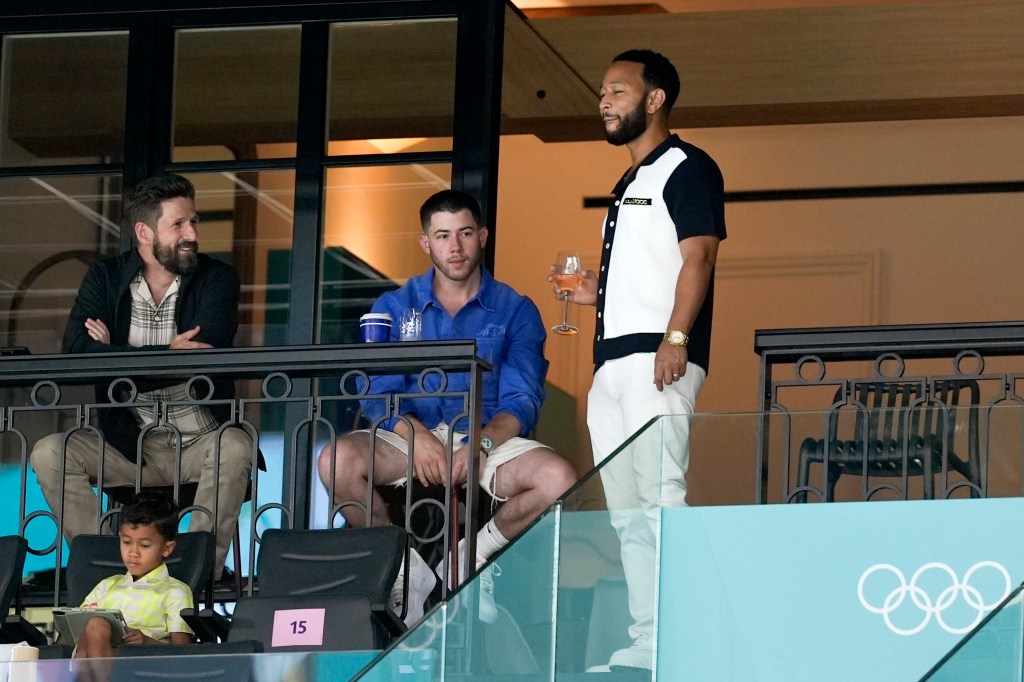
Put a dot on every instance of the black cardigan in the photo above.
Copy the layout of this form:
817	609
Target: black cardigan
207	297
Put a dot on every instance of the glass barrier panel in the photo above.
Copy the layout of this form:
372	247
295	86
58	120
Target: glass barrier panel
62	98
569	596
419	656
994	651
499	622
403	99
235	90
593	613
610	551
197	661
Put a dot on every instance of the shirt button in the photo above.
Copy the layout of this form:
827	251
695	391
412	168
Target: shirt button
611	223
600	291
599	314
598	337
607	246
616	202
602	268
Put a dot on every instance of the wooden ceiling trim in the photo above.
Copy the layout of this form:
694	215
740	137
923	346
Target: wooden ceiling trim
589	128
926	60
536	81
591	11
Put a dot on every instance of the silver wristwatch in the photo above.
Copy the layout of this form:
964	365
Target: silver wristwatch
486	445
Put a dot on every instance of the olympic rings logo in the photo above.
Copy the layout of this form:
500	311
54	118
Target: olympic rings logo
948	597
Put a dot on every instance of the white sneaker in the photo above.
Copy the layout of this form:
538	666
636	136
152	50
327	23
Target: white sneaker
488	609
397	599
633	657
421	584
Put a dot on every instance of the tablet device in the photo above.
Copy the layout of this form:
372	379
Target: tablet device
71	621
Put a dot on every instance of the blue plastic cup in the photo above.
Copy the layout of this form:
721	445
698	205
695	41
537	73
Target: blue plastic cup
375	327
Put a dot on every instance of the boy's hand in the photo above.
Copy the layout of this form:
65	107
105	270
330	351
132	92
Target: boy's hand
133	636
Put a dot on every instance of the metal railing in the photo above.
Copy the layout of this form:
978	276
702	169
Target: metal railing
905	405
303	396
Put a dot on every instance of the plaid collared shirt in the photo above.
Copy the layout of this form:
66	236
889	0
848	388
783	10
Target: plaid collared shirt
153	324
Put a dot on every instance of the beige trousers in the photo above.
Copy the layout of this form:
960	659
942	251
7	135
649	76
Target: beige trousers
222	490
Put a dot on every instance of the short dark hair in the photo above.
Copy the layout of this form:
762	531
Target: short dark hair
449	201
658	73
150	507
142	204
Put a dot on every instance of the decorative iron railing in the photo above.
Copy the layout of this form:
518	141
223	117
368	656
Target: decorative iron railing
292	400
903	411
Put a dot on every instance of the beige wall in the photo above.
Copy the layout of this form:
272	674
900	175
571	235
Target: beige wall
785	264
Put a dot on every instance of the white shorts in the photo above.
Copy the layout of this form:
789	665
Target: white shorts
505	452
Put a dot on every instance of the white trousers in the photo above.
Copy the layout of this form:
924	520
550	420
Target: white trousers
648	473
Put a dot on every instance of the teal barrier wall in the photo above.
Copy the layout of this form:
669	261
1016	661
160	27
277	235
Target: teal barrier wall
845	591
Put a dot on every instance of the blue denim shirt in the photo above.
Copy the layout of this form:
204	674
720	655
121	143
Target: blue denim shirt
509	335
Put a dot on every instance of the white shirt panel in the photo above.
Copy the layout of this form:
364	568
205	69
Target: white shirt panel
645	262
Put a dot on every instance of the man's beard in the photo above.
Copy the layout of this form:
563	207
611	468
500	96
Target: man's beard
631	126
174	261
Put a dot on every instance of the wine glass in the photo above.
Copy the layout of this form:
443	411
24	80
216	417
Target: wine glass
568	275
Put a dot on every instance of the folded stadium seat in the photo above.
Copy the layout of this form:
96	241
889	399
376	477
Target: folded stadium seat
322	590
12	563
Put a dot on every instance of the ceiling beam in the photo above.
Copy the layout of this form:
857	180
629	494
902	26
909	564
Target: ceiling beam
591	11
808	65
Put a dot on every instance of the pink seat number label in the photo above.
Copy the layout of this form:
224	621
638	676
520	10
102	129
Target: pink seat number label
298	627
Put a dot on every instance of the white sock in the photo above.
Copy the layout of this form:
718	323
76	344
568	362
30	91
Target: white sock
488	541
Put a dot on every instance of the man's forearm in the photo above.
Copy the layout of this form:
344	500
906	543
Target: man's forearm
691	288
502	427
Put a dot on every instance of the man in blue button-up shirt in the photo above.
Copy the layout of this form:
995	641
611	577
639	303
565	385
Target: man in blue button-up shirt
459	299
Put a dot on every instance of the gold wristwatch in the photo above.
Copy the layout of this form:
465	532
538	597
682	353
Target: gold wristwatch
676	337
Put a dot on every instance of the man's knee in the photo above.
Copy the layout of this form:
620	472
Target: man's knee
553	477
46	455
349	459
235	450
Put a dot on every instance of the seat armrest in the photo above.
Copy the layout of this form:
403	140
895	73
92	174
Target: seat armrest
16	629
208	625
391	622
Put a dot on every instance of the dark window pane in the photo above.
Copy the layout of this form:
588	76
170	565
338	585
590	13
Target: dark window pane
235	89
400	99
54	228
63	98
246	219
370	239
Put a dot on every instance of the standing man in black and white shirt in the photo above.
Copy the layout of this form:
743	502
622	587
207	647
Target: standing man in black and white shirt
654	294
163	294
